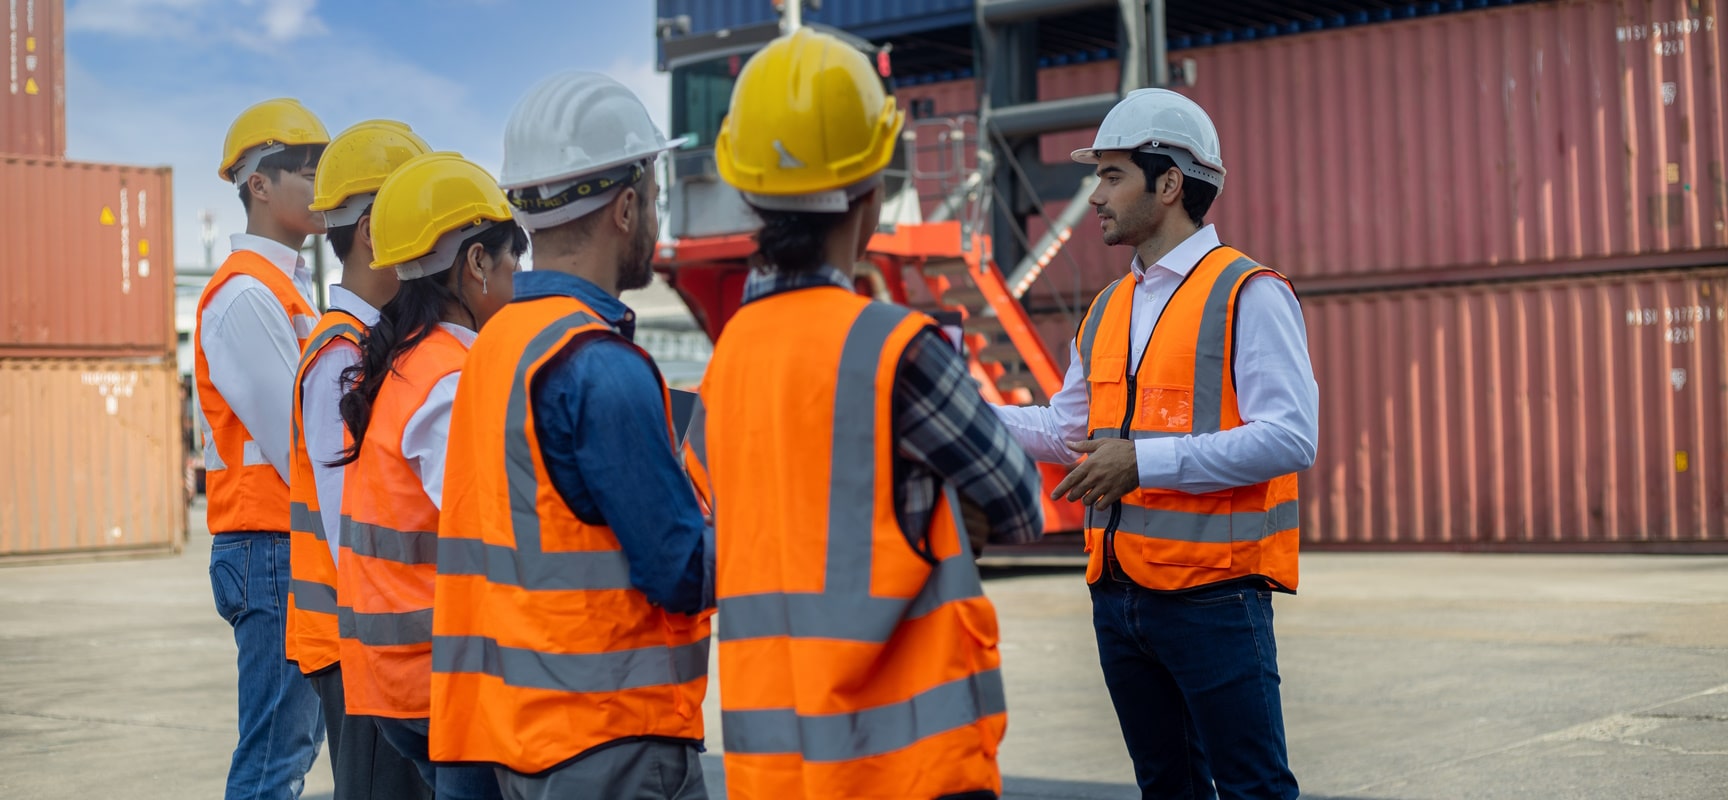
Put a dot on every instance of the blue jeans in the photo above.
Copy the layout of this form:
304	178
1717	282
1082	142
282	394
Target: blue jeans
1194	678
448	781
280	723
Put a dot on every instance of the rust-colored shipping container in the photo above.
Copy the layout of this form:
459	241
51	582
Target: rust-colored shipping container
94	457
33	107
88	263
1537	140
1578	414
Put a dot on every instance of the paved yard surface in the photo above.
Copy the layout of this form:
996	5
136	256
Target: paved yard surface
1406	676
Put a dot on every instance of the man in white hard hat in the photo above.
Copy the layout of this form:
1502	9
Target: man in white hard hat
1190	393
567	517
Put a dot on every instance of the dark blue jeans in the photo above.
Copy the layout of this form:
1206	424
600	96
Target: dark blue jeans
448	781
280	724
1194	678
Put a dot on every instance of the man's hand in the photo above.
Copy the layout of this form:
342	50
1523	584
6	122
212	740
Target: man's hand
1108	473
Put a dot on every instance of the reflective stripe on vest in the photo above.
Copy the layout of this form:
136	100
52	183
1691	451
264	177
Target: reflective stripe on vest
530	567
866	733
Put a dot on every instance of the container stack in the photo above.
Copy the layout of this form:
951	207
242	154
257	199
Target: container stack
91	406
1509	229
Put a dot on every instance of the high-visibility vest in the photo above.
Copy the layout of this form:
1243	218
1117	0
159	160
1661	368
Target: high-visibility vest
852	665
243	490
311	620
388	557
542	649
1164	539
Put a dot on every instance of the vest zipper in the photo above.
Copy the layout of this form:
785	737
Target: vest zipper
1116	509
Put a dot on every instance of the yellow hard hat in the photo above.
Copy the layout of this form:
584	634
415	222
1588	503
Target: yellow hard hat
282	121
427	207
356	164
808	120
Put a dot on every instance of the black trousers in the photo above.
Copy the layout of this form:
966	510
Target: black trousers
366	767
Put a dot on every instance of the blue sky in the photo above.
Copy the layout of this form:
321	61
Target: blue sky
158	81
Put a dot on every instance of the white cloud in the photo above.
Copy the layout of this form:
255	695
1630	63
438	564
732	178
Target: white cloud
253	23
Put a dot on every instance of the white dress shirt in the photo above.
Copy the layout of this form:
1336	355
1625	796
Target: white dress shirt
427	433
321	410
253	351
1275	390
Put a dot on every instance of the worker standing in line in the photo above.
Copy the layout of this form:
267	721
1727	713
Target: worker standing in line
353	168
253	319
1191	393
571	630
858	653
442	224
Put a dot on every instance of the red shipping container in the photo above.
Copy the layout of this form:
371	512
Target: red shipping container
88	266
33	106
1577	414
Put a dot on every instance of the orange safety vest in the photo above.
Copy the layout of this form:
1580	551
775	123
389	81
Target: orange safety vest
542	649
311	619
852	664
244	491
388	556
1165	539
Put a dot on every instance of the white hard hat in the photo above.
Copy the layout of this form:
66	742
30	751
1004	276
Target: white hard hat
574	141
1161	121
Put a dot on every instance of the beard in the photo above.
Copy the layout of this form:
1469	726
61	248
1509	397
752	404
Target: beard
636	268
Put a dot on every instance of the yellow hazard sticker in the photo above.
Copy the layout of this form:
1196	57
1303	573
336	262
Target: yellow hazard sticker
29	44
1681	461
143	247
107	216
30	86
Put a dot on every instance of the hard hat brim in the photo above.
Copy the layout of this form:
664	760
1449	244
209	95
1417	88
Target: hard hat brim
669	145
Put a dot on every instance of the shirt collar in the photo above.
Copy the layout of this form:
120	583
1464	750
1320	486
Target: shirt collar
284	257
463	333
761	283
1183	257
341	297
539	284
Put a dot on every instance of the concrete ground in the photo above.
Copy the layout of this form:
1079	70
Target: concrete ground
1406	676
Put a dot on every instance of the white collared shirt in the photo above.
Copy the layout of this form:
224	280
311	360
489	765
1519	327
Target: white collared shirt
253	350
1275	389
321	411
427	434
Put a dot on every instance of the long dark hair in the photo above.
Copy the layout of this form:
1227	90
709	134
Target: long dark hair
794	242
405	322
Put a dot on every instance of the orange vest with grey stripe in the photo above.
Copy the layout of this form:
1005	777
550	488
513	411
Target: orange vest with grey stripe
311	619
245	492
388	556
1164	539
542	649
852	665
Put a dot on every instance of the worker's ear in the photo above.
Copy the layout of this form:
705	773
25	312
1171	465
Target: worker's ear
624	208
259	186
363	231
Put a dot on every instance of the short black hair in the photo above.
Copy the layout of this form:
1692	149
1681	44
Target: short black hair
295	158
342	239
1197	195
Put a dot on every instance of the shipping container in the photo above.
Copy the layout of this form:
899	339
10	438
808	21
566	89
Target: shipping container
88	263
1538	140
1577	414
94	460
33	108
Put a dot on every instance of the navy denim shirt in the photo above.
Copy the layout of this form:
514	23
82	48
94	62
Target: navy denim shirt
602	427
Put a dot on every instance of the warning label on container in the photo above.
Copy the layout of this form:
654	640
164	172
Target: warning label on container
107	216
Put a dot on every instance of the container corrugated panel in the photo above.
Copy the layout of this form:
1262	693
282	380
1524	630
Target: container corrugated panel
88	263
94	458
33	105
1576	413
877	18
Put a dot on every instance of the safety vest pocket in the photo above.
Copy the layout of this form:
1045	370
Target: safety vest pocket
1167	409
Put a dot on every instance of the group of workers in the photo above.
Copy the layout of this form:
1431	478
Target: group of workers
458	534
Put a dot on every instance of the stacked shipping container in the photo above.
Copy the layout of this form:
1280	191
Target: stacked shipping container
90	405
1552	143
